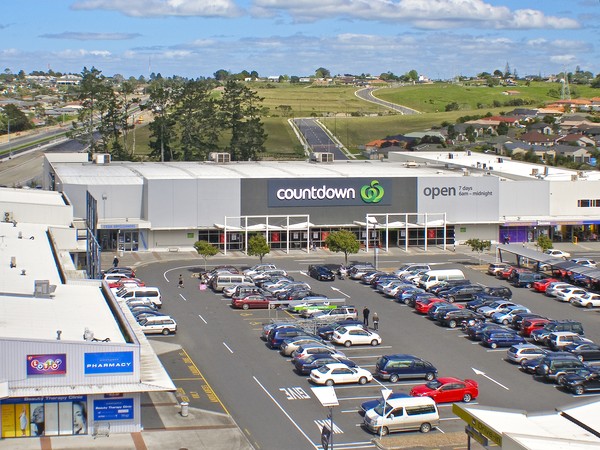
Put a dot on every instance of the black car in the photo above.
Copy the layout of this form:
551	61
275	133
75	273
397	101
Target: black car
395	367
531	365
462	293
475	332
326	331
585	351
498	291
456	316
321	273
482	300
445	285
305	365
582	381
518	319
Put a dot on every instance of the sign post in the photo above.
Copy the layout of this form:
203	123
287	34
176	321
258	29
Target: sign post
328	399
386	394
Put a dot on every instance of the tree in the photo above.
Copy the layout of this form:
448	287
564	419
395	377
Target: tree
205	249
258	246
162	95
322	72
502	129
221	75
479	246
470	133
412	75
453	106
343	241
544	242
18	120
240	112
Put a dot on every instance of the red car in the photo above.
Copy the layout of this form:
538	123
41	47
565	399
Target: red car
447	389
540	286
252	301
119	284
423	305
528	325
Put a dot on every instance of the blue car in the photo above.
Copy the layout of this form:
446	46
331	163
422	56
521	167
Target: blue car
374	403
501	338
404	294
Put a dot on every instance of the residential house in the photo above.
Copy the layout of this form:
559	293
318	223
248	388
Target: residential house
484	126
379	148
576	138
540	127
541	151
535	138
575	153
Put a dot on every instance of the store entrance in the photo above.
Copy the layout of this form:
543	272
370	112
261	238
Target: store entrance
119	240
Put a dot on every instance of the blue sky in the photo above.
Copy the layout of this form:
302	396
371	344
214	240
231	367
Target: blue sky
191	38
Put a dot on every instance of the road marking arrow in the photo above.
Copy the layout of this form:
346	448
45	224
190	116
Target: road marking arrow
343	293
479	372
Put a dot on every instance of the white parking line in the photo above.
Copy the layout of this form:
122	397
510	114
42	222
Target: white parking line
202	318
183	297
227	347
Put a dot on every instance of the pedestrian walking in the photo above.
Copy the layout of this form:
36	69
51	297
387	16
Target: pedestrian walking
375	321
366	316
115	262
180	281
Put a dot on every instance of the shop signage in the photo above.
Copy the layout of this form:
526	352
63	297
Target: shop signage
476	425
329	192
114	409
109	362
50	364
44	399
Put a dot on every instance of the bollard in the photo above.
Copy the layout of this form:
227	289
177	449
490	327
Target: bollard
184	409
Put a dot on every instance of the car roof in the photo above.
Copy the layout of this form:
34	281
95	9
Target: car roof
336	366
446	380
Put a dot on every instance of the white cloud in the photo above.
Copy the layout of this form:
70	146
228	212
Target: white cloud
426	14
87	36
81	53
563	59
158	8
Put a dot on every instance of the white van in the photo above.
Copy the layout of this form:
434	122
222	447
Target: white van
433	277
141	293
403	414
220	282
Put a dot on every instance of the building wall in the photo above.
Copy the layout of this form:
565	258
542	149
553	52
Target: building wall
565	194
486	232
122	201
524	198
172	238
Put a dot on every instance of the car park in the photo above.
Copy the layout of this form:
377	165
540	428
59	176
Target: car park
447	389
290	345
505	317
453	318
403	366
559	339
339	373
402	414
303	366
355	335
541	334
585	351
495	268
523	352
462	293
321	273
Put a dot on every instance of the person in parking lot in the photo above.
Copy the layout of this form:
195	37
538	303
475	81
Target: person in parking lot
115	262
180	281
366	316
375	321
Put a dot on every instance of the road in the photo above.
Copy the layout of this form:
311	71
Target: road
272	404
318	139
367	95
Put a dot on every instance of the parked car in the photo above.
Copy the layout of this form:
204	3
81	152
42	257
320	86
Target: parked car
582	381
355	335
555	253
505	317
447	389
254	301
501	338
475	332
559	339
552	288
128	271
439	308
525	279
277	335
321	273
541	334
445	285
290	345
370	404
409	267
494	307
535	323
453	318
585	351
304	351
494	268
566	294
585	262
335	314
422	306
402	366
310	306
339	373
326	331
518	318
523	352
259	268
555	368
158	325
356	271
541	285
305	365
462	293
402	414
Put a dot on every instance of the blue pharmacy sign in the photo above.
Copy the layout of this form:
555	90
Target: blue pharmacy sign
113	409
108	362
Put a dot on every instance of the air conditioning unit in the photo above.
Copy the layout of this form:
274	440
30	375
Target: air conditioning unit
8	216
43	288
322	157
534	172
219	158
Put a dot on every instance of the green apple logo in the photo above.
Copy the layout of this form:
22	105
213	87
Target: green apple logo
372	193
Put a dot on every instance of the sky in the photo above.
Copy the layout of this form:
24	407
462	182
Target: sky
194	38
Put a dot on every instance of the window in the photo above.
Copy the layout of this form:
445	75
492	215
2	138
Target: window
418	410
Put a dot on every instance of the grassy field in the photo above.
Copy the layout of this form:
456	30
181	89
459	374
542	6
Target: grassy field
335	105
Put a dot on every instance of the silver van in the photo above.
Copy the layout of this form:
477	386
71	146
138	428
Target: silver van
403	414
220	282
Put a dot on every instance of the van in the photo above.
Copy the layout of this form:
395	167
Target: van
559	339
220	282
526	279
401	366
158	325
433	277
402	414
141	293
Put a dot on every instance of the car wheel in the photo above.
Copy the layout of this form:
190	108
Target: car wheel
560	379
362	380
374	342
384	431
452	324
329	383
467	398
406	301
528	285
580	358
245	306
425	427
347	344
429	376
394	378
451	299
272	306
165	331
505	322
579	390
493	345
589	306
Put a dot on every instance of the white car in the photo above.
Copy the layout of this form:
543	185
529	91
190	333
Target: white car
355	335
557	253
566	294
230	290
585	262
589	300
554	287
495	307
338	373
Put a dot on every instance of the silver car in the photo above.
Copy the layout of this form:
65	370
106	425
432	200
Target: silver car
524	352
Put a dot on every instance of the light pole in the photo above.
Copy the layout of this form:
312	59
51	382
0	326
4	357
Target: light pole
8	137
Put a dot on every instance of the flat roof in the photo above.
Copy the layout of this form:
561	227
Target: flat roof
32	197
71	308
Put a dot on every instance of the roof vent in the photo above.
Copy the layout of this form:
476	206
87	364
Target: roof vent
322	157
43	288
101	158
219	158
